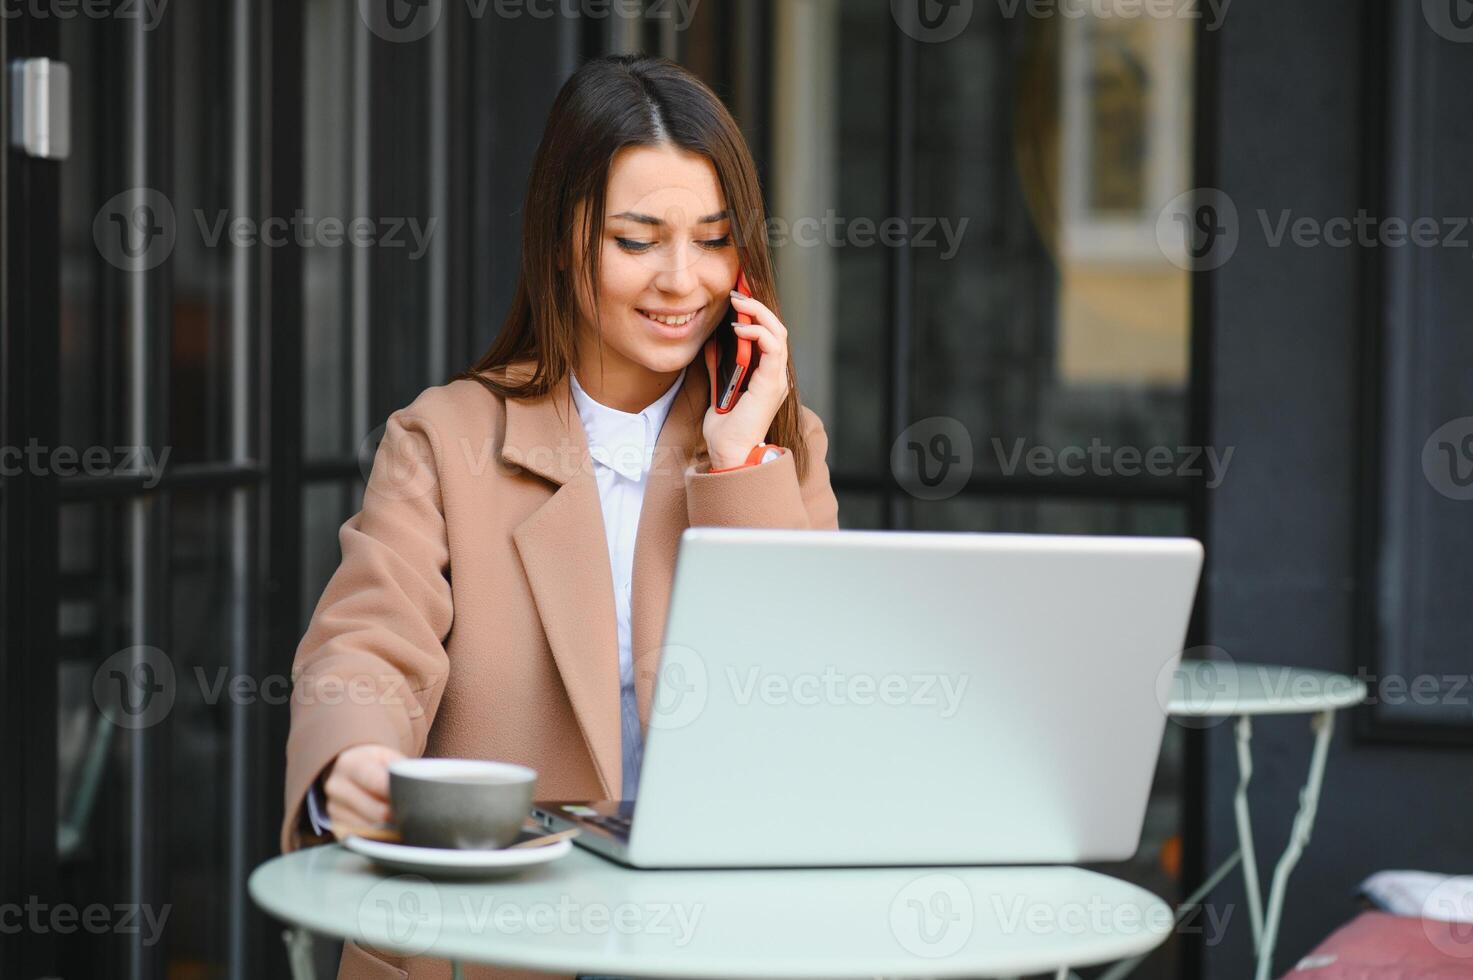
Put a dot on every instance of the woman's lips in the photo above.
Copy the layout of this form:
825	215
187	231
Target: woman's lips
670	330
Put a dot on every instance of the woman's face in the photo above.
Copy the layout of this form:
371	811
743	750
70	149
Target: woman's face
667	252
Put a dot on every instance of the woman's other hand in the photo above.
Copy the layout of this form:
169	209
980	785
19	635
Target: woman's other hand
357	788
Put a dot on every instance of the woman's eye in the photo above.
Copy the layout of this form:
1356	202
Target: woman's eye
630	245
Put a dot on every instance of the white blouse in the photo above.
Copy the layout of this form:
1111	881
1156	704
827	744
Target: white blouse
622	445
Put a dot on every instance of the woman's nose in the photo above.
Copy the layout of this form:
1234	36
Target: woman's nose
678	273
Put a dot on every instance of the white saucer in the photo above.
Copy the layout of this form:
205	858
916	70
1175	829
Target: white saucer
455	863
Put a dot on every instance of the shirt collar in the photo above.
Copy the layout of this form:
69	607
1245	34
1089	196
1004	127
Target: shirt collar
622	441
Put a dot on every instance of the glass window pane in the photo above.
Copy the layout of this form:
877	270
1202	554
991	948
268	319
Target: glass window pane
207	207
94	624
1058	321
106	707
1119	121
110	230
861	329
327	144
1044	515
859	509
209	604
92	342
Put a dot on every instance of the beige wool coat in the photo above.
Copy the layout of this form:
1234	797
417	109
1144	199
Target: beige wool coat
473	613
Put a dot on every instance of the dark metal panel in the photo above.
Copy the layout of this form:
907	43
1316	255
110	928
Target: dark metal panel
247	787
280	422
187	476
149	327
467	134
397	74
1201	432
1416	358
901	265
29	408
750	69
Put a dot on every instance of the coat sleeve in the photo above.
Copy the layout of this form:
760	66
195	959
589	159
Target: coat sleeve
767	495
372	665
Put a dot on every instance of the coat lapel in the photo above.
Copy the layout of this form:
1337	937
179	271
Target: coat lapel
661	520
564	552
565	555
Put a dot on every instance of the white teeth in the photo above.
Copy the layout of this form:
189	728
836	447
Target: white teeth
674	321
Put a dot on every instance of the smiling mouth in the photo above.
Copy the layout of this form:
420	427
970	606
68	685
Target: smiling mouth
671	322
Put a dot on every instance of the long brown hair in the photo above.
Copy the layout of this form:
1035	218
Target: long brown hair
607	104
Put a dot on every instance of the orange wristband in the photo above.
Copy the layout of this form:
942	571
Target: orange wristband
758	455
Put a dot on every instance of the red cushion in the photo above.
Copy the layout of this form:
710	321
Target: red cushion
1399	945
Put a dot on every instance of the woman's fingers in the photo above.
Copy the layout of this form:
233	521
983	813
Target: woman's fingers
367	766
771	336
351	806
774	362
357	787
349	787
372	769
767	341
758	311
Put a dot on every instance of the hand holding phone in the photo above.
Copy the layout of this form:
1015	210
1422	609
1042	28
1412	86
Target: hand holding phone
730	365
746	391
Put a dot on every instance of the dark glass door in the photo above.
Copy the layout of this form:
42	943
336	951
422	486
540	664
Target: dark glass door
140	351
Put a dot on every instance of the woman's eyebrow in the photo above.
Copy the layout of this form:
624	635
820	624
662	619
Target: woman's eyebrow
649	219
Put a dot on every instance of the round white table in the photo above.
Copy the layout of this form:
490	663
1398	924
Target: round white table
1206	691
583	914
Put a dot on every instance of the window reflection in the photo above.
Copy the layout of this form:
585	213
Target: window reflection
93	622
1058	320
1124	148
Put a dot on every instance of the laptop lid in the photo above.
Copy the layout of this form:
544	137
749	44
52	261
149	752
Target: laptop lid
872	697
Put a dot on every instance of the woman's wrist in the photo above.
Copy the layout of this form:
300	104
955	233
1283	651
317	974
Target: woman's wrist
760	453
725	459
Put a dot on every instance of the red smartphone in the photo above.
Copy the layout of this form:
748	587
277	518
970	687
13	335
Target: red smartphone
730	360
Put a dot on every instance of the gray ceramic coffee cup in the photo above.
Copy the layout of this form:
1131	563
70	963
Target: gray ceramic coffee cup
460	803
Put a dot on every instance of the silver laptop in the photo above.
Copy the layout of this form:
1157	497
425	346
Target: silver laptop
832	698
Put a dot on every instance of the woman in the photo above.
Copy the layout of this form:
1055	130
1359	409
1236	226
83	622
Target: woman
502	592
